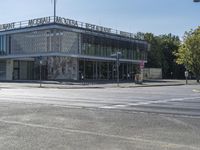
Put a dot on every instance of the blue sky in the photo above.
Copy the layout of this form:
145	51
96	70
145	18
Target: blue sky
156	16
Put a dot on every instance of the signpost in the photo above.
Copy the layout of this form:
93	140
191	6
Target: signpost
186	77
142	64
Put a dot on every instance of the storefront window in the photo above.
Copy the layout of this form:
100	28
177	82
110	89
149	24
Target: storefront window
2	70
2	45
102	47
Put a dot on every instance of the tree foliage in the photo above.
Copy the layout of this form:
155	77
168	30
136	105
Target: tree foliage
189	52
161	54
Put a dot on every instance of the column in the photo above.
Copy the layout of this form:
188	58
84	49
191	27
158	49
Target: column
108	71
9	69
96	70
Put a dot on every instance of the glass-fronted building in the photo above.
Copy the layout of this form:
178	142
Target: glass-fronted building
66	49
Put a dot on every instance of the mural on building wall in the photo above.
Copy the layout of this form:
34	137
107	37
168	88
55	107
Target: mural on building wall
63	68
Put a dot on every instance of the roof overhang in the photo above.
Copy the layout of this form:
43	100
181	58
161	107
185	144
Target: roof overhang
78	56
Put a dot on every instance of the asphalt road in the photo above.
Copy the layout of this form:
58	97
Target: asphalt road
148	118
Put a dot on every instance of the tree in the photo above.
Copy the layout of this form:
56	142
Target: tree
161	54
189	52
154	56
168	44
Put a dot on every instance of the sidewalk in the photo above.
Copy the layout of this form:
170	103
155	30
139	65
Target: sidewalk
79	85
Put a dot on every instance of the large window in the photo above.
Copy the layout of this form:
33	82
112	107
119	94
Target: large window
105	70
2	45
104	47
2	70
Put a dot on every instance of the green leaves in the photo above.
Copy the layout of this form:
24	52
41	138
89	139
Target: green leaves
189	52
161	54
164	49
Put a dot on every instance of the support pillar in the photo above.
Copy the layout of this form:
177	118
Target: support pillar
9	70
108	71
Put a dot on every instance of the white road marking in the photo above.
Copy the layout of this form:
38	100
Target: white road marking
166	100
195	90
106	101
130	139
114	106
149	102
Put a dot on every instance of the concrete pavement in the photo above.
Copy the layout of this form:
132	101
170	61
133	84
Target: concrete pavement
42	127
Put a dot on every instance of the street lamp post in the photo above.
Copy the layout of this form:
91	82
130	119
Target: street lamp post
117	55
54	11
40	72
196	1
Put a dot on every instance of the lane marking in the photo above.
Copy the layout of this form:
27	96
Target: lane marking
104	108
148	102
131	139
166	100
196	91
98	103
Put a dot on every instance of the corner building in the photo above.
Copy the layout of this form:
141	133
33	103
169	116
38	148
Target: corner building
65	49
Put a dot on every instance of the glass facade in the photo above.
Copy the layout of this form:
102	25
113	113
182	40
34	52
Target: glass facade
55	40
105	47
69	41
102	70
26	70
2	70
3	45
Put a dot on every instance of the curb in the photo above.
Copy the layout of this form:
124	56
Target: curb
153	85
92	87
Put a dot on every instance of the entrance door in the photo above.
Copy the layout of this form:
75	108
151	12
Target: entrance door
23	70
16	74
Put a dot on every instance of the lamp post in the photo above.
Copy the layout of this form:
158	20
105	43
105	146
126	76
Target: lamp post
54	11
117	55
40	61
54	5
196	1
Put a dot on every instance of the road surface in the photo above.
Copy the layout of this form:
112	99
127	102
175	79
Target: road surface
148	118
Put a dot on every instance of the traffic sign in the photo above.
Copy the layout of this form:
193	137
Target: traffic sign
186	74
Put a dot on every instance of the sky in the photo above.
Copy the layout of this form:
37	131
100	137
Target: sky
155	16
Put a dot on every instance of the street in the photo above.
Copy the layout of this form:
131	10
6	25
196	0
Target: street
142	118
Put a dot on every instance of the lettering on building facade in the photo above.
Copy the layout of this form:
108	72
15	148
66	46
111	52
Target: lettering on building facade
97	28
39	21
127	34
64	21
7	26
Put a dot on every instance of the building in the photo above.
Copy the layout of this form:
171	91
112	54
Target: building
65	49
